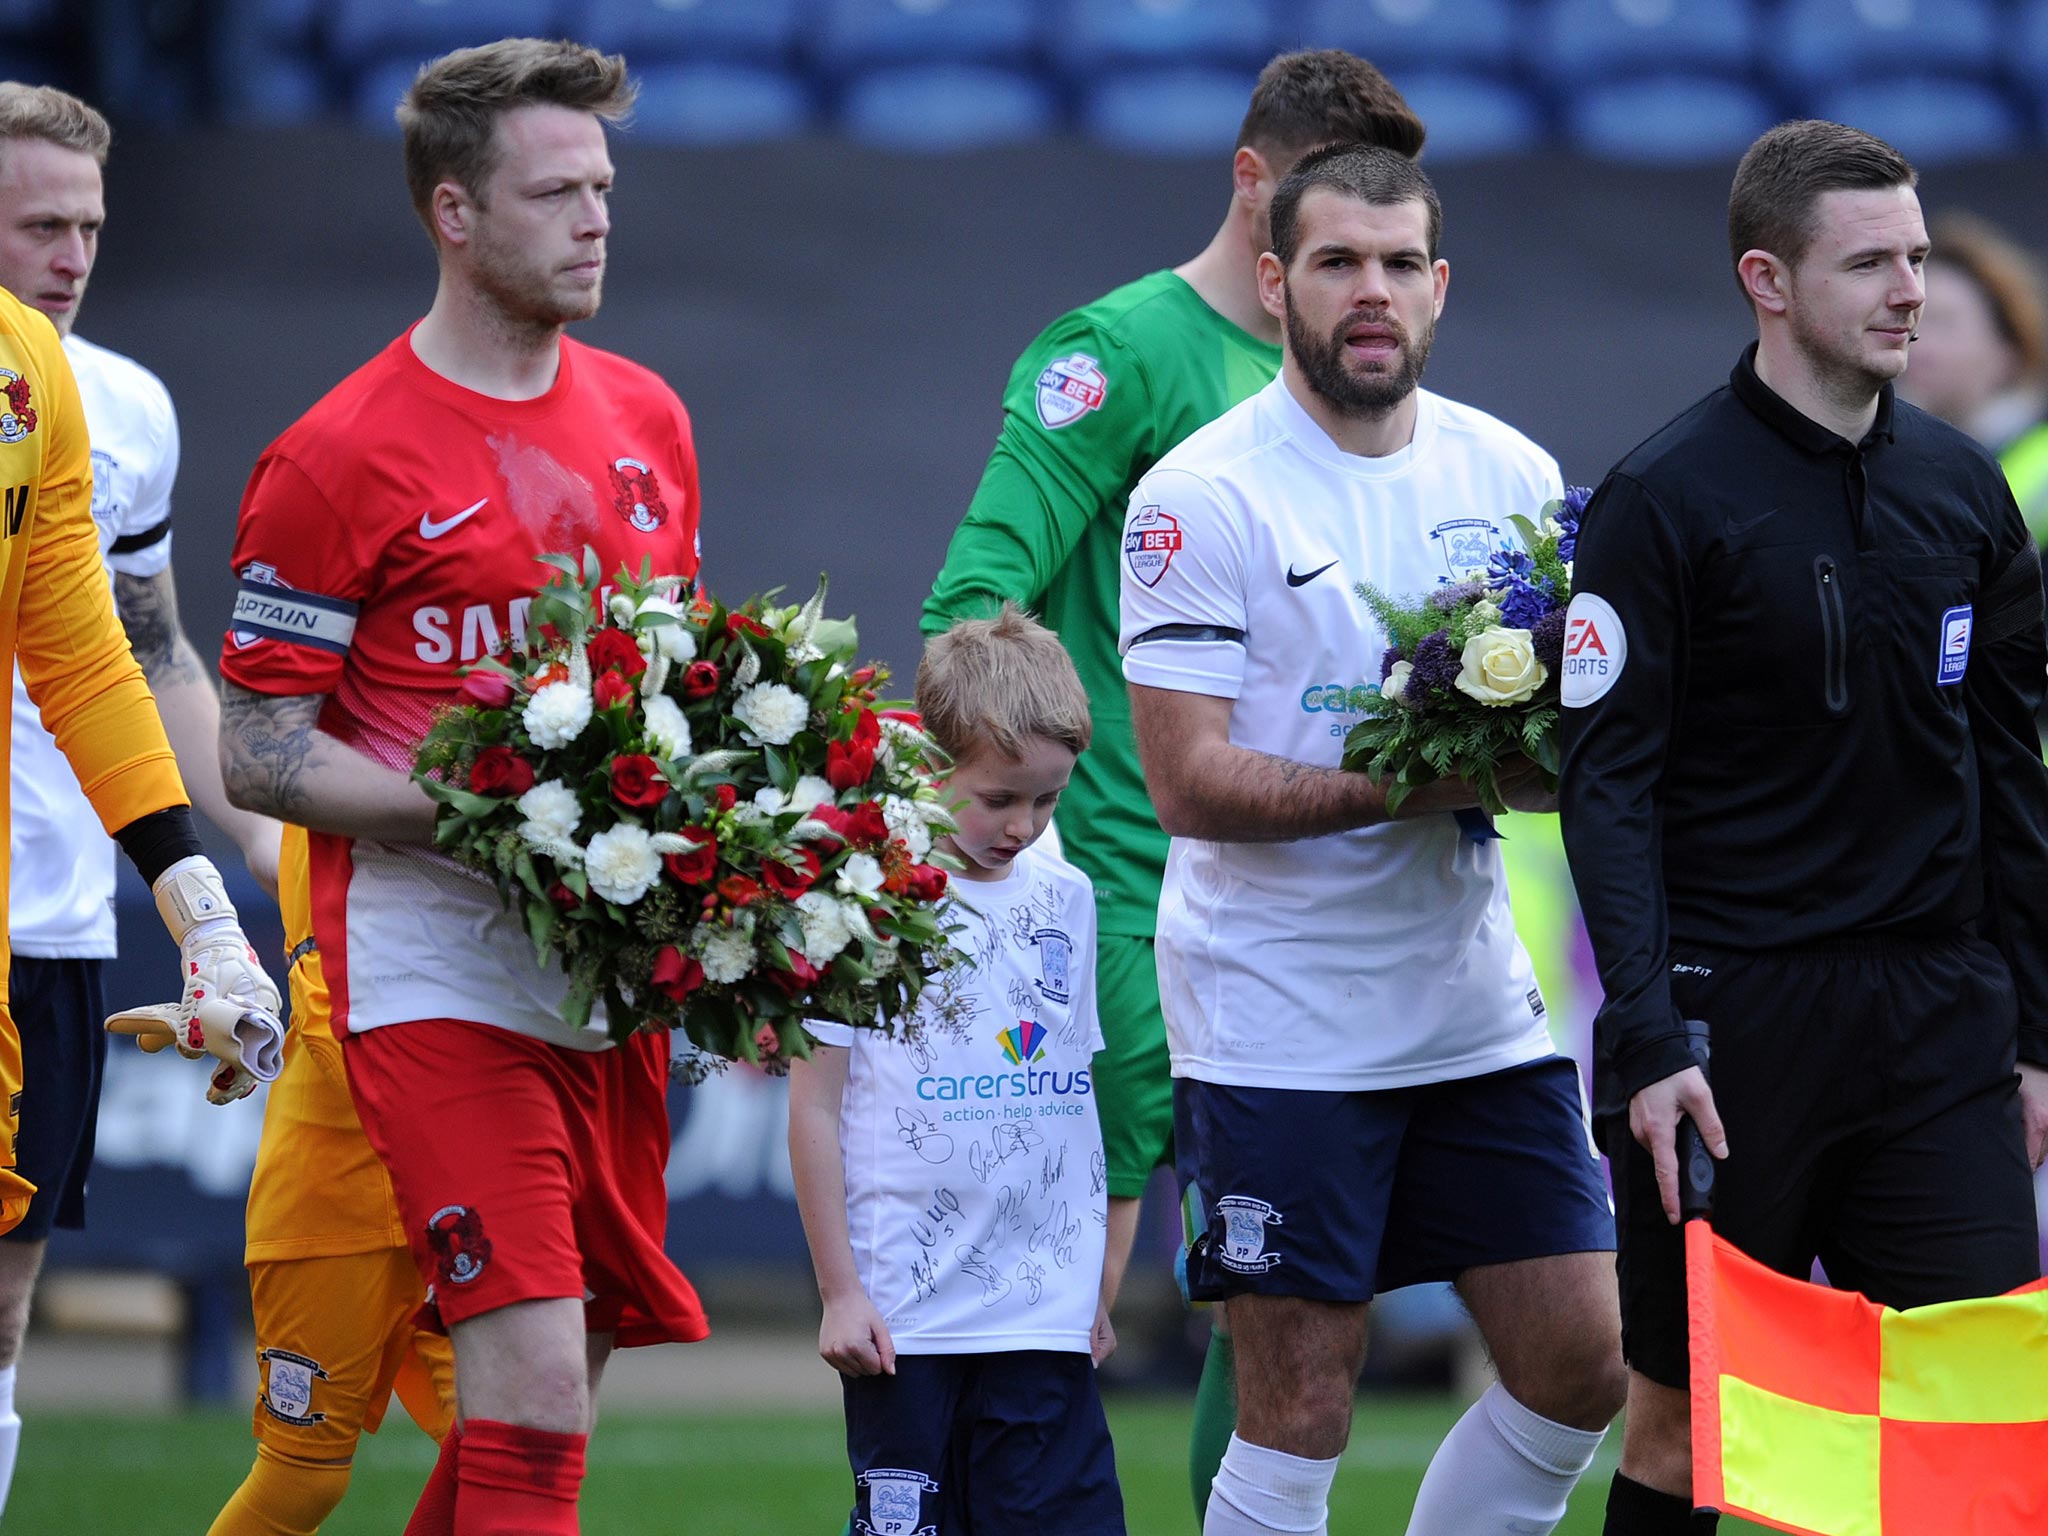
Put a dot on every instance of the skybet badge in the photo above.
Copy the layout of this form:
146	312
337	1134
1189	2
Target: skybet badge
1150	543
1955	646
1069	388
1595	649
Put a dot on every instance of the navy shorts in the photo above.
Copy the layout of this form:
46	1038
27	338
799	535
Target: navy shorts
60	1011
982	1445
1337	1196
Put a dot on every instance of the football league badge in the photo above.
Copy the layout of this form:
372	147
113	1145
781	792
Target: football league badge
1151	540
1956	625
1244	1234
893	1503
1069	388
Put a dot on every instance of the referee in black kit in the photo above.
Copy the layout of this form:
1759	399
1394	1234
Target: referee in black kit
1805	804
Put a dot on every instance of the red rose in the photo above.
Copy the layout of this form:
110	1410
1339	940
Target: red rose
637	780
741	623
700	679
725	797
740	890
700	863
848	764
790	883
493	690
617	650
610	690
909	717
829	816
866	826
927	883
799	978
675	974
500	771
565	900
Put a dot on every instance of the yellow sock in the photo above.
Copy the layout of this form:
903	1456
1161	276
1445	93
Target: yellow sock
282	1496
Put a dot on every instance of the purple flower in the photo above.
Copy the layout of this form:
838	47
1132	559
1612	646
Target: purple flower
1453	595
1524	604
1436	666
1387	662
1575	499
1546	638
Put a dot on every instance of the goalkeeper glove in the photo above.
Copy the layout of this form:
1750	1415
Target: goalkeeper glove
248	1044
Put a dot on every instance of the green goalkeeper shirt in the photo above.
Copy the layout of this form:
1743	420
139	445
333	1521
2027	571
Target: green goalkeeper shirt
1095	401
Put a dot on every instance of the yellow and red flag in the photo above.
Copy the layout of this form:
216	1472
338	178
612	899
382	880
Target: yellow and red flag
1819	1412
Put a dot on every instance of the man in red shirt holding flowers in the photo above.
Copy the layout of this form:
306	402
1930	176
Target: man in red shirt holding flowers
387	542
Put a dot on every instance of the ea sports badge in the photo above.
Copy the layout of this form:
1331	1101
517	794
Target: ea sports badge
1151	541
1955	646
1069	388
1595	650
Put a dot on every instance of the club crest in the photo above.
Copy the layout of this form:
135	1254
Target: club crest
18	419
288	1386
894	1503
1467	544
1244	1234
636	495
1055	957
455	1233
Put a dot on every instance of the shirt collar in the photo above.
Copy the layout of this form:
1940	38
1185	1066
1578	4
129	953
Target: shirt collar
1801	429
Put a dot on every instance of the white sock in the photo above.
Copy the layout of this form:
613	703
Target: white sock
1501	1471
1259	1490
10	1434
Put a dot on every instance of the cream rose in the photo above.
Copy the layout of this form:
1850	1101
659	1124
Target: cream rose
1395	686
1500	667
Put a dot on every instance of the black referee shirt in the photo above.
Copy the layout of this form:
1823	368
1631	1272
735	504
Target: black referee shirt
1820	662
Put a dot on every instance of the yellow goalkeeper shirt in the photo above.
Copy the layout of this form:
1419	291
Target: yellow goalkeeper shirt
57	620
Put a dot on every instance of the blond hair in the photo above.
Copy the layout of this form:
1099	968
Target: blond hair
450	115
998	683
54	116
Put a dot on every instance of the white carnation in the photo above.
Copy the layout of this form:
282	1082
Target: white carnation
810	793
556	715
672	640
905	822
621	863
726	954
771	800
551	811
861	875
668	728
824	925
772	712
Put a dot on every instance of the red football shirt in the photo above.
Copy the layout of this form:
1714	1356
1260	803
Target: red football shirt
388	540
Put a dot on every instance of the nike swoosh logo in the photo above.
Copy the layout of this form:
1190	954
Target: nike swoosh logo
1736	530
1303	578
430	529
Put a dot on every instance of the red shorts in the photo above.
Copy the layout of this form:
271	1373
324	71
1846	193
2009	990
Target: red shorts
525	1171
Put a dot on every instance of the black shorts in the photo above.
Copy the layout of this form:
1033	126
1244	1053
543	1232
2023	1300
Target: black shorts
60	1011
1337	1196
1006	1444
1870	1098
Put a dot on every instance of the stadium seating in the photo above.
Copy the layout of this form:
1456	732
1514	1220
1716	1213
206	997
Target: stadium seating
1818	45
1473	116
1575	43
1666	120
851	35
1190	109
1929	120
375	93
368	32
720	103
27	18
727	31
938	107
1401	35
1090	36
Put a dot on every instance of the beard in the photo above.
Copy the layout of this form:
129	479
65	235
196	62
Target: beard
528	295
1346	391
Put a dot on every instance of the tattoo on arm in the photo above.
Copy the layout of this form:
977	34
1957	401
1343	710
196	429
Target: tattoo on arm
265	742
148	606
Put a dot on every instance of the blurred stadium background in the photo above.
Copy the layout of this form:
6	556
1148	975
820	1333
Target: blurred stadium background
837	223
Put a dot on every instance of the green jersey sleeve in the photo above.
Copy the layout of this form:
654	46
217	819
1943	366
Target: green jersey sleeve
1078	428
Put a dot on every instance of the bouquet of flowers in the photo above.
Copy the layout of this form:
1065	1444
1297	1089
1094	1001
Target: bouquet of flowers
1470	679
705	814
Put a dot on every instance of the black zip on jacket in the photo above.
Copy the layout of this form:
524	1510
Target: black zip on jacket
1820	662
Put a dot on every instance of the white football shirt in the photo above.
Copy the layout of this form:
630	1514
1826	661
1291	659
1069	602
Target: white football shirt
976	1194
60	902
1375	958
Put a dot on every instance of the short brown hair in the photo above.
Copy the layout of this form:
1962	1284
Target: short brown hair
999	682
57	117
2009	278
1326	96
450	116
1783	174
1364	171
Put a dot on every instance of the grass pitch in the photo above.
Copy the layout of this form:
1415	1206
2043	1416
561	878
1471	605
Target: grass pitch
743	1474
